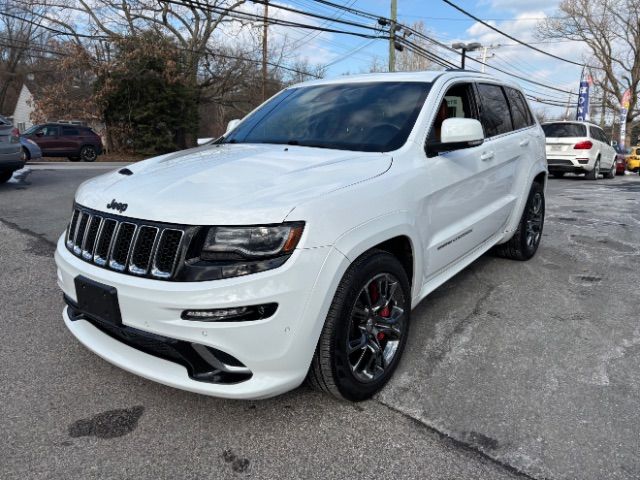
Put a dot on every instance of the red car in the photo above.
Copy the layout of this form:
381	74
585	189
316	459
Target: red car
64	140
621	163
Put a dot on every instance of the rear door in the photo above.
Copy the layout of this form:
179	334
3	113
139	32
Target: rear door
607	152
502	154
70	139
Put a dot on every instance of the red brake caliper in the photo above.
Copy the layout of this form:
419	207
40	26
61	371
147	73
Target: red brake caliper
385	313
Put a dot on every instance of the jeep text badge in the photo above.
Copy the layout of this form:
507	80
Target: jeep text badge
120	207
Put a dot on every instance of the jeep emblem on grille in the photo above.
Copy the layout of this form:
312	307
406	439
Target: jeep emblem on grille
121	207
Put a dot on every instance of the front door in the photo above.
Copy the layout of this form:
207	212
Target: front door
48	139
465	204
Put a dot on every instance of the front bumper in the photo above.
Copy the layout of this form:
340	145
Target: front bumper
277	350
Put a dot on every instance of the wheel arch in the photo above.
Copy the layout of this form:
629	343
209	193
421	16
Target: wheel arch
537	174
393	233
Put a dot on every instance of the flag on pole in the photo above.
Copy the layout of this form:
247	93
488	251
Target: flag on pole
582	112
624	108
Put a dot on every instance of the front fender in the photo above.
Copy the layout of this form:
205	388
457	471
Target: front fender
375	231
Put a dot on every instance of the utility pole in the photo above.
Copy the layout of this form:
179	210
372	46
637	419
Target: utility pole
265	31
392	35
603	108
485	57
566	113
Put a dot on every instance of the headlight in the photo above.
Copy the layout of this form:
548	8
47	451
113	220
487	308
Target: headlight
225	252
255	242
32	142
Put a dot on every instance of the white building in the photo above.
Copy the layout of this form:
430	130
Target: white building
24	108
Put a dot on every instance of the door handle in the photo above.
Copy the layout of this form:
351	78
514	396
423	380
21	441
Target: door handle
486	156
524	143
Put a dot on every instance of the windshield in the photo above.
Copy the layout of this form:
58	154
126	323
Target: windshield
32	129
564	130
368	117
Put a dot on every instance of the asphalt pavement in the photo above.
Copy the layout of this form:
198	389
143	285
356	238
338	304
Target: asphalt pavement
512	370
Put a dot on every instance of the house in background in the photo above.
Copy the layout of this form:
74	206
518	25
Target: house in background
24	107
22	116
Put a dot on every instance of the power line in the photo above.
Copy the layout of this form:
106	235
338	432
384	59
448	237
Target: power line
383	19
517	40
348	54
309	36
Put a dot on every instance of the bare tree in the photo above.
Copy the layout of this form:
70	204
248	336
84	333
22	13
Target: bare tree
22	42
190	26
611	29
410	60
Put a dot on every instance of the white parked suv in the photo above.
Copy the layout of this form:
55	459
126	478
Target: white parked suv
579	147
296	246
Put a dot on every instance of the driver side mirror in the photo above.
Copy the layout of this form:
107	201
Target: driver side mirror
40	133
456	134
231	125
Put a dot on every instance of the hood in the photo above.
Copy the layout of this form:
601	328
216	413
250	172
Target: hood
229	184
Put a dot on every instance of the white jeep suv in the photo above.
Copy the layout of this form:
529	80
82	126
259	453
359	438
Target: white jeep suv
579	147
296	246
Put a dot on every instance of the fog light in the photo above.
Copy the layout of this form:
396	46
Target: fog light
235	314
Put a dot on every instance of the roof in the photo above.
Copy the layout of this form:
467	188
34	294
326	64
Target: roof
423	76
581	122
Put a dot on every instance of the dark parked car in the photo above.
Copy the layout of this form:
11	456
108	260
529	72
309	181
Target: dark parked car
10	150
63	140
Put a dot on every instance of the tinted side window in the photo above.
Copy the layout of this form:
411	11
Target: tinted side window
70	131
603	136
520	113
494	110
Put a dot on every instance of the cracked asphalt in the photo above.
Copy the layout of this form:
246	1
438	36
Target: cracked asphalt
512	370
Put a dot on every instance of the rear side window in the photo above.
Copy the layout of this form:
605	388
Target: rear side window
494	110
70	131
520	113
564	130
599	135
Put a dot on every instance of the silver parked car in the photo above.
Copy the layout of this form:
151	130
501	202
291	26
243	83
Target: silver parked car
10	150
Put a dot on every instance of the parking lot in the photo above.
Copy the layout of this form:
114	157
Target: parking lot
512	370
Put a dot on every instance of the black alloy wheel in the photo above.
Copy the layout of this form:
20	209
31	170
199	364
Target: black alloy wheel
525	241
365	330
88	153
376	327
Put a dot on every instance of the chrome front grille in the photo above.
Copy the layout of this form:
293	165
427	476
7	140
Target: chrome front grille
125	245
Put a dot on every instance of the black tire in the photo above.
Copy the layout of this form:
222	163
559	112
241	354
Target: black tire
611	173
595	172
521	246
331	369
5	176
88	153
558	174
26	156
74	159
